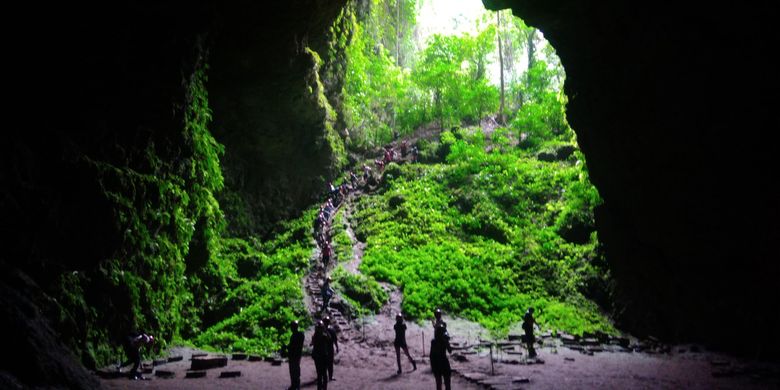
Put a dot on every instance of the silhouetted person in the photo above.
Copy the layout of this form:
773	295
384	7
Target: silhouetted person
353	179
404	148
327	253
326	292
133	345
294	352
437	319
440	364
334	345
528	328
400	342
320	343
366	172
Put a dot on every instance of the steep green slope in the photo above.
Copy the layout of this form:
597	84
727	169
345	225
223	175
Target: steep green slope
481	235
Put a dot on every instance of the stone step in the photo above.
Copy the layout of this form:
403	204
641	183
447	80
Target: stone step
254	358
229	374
474	376
206	362
111	374
175	359
195	374
160	362
239	356
164	374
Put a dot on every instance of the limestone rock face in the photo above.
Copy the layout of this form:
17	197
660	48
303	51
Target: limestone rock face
677	143
266	84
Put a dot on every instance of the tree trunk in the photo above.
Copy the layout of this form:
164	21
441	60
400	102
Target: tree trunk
501	67
398	32
531	47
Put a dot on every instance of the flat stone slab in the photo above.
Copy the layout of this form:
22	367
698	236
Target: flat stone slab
164	374
160	362
521	379
206	362
474	376
195	374
194	355
175	359
229	374
111	374
589	341
496	380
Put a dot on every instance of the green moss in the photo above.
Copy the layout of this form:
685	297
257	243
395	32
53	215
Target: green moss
342	243
254	312
163	208
330	135
363	292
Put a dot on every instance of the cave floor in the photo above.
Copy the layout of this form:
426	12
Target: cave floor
371	365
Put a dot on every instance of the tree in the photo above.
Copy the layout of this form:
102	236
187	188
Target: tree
500	67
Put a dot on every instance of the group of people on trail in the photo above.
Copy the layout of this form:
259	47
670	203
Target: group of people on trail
324	347
390	154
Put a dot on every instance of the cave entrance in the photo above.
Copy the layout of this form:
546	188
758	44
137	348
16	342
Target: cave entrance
493	213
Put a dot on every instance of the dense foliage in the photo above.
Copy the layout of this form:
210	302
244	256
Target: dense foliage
162	198
490	229
481	236
263	290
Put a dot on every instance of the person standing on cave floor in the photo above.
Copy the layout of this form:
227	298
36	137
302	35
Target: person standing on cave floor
132	345
333	349
320	343
528	328
400	342
440	364
437	319
294	352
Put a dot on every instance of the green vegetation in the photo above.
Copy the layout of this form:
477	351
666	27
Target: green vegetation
503	219
162	207
342	244
363	293
493	221
263	290
480	236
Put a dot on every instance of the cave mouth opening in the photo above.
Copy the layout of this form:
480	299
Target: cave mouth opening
479	95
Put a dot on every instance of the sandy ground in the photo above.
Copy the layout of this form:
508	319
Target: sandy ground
371	365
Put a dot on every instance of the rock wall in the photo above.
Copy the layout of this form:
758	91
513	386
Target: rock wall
104	194
673	107
270	107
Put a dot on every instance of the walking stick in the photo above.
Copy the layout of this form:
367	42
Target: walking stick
492	370
423	343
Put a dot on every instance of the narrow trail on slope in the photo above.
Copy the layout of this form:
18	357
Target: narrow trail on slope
367	341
